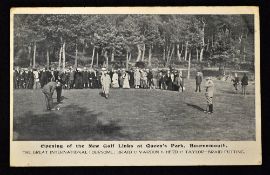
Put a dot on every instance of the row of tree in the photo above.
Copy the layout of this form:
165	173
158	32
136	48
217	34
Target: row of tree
104	39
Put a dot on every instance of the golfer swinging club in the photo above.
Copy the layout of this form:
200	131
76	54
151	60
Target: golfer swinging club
48	91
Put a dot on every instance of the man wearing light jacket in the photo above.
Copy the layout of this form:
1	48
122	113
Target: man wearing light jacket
209	93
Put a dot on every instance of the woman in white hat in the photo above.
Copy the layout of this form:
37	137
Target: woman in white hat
209	93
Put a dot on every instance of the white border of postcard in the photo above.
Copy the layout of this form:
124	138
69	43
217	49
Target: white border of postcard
231	152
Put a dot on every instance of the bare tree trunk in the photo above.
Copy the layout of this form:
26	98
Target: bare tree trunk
34	55
172	52
201	54
127	60
203	42
197	54
212	41
29	55
240	38
164	53
83	49
139	53
48	58
186	49
207	47
143	52
112	58
93	55
107	59
76	58
244	54
182	48
97	59
178	52
168	53
150	55
189	60
60	57
64	55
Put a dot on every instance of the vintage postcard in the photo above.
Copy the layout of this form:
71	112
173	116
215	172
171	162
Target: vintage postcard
135	86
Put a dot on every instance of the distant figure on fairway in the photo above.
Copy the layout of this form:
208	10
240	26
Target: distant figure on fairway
105	83
48	91
209	92
58	90
198	79
180	82
244	83
236	82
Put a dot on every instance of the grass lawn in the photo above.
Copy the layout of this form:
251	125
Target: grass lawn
136	114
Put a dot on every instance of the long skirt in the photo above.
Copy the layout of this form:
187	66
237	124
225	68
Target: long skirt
126	83
137	81
115	83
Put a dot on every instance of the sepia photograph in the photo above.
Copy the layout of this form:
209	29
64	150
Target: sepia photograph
134	76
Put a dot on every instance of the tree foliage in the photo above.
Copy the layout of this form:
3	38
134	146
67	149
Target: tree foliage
219	39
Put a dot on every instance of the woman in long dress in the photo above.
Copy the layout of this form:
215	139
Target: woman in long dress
121	78
126	80
115	83
144	79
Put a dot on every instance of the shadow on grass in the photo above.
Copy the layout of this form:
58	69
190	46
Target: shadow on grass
69	123
195	106
101	94
239	92
63	98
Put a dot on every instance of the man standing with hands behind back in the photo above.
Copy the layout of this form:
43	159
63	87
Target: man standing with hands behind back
209	93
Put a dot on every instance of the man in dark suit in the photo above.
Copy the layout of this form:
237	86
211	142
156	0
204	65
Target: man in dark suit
48	75
30	79
93	79
43	78
244	83
16	78
23	79
59	90
198	79
71	78
48	91
85	77
168	81
150	79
